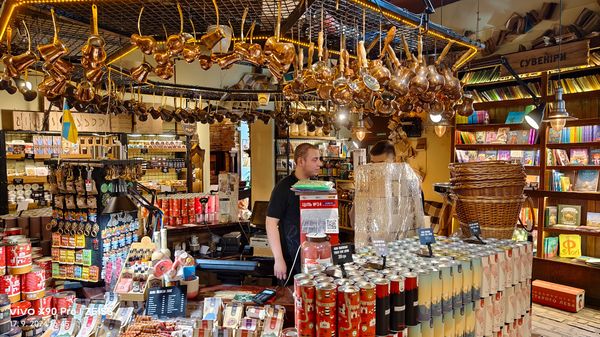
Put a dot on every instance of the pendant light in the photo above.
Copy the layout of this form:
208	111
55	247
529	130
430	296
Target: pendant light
359	130
440	130
558	115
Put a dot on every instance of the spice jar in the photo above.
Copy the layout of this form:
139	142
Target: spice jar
316	251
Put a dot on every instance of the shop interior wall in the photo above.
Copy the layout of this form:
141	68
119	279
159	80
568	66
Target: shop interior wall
262	160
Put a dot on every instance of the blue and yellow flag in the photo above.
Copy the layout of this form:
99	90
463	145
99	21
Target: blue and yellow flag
69	130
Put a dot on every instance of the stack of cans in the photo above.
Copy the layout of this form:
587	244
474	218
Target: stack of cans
464	290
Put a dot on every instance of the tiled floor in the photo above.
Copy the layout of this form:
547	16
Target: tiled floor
549	322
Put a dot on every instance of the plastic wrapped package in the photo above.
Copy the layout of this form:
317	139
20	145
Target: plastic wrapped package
387	203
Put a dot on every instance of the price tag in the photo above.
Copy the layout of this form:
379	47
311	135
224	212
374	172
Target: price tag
380	247
54	156
167	302
144	151
18	181
426	236
22	206
29	156
475	229
342	253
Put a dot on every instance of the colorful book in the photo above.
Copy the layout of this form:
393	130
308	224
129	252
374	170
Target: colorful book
579	157
490	137
587	181
551	246
569	215
515	117
480	137
461	156
513	137
472	155
528	158
550	216
550	160
490	155
554	137
503	154
593	219
562	159
570	245
502	135
596	137
595	156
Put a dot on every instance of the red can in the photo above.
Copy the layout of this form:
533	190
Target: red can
175	207
305	307
11	286
397	303
411	285
297	279
325	310
45	263
367	309
348	311
2	259
18	257
382	306
33	284
63	301
12	231
43	306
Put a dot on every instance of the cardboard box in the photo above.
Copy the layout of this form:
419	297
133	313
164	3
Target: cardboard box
558	296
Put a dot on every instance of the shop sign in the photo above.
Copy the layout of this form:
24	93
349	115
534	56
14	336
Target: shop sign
544	59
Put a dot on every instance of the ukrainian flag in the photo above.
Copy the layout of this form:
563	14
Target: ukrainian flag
69	130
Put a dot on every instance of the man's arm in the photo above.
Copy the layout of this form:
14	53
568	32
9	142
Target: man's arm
280	268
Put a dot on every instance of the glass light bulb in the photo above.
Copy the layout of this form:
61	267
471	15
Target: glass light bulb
342	116
435	118
440	130
558	123
361	134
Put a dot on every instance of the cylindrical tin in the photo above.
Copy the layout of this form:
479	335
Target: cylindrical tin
507	269
446	273
33	284
509	305
18	257
45	263
459	321
523	257
5	322
305	307
398	303
12	231
467	286
382	306
287	332
43	306
489	316
436	291
367	309
411	286
470	319
414	330
32	326
457	283
438	326
11	286
427	329
348	311
63	301
500	262
449	327
323	279
480	317
477	275
2	259
297	278
424	294
325	310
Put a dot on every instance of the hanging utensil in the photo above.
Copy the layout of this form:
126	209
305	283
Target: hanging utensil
145	43
342	93
52	51
210	39
419	83
17	64
93	51
176	42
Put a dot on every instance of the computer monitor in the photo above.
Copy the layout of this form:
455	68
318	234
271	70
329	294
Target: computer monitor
259	214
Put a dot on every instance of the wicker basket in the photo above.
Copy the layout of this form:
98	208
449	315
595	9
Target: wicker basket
496	216
490	188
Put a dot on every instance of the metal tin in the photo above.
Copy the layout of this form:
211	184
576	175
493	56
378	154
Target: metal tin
509	305
63	301
304	306
411	286
446	273
414	330
480	317
397	303
489	316
43	306
11	286
2	259
33	284
427	329
288	332
509	262
436	291
449	327
382	306
477	275
459	321
367	309
424	294
18	257
467	278
297	278
457	282
325	310
323	279
501	267
348	311
438	326
469	319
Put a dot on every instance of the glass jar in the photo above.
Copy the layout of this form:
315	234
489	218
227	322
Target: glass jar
316	251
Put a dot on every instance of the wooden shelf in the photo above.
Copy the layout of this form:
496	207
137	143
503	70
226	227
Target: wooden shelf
567	261
529	167
29	179
574	167
572	145
347	229
571	231
75	156
497	146
564	195
504	103
309	138
159	150
495	126
345	181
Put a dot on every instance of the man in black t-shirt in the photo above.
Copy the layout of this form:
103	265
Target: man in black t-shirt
283	213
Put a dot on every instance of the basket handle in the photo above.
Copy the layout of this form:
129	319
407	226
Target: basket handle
529	203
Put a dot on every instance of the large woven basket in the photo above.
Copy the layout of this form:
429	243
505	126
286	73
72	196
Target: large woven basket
490	188
496	216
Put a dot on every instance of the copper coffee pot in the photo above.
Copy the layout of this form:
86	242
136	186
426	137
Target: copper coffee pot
165	71
342	93
95	75
93	50
420	83
59	70
308	75
276	51
210	40
85	91
51	88
381	73
400	80
16	65
145	44
141	72
191	49
322	71
52	51
176	42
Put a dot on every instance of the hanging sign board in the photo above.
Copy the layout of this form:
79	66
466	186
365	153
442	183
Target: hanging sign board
544	59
